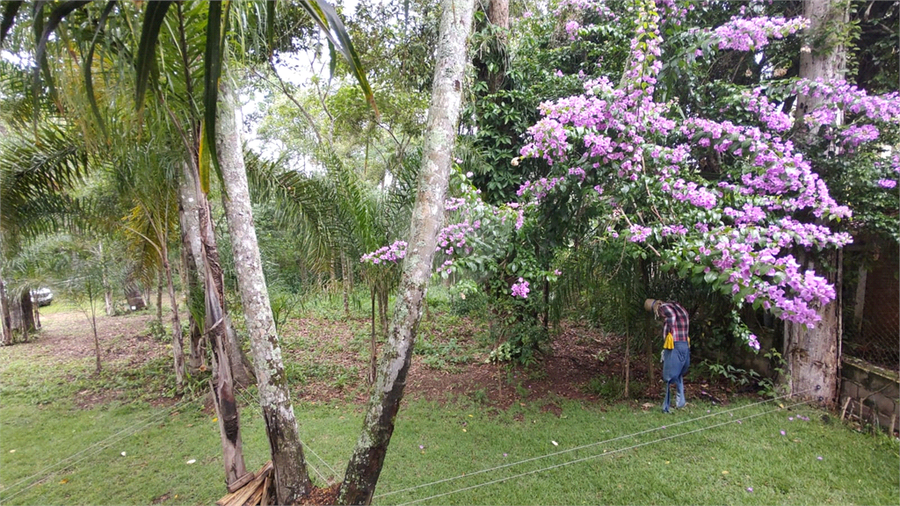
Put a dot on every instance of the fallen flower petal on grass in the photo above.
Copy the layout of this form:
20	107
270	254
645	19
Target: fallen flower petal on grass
192	461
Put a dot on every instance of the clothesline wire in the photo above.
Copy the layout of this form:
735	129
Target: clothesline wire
333	472
539	457
499	480
95	448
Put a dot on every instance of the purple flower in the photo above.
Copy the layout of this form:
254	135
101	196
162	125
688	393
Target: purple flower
753	342
520	289
749	489
782	433
887	183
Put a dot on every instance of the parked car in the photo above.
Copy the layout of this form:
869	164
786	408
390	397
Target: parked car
42	296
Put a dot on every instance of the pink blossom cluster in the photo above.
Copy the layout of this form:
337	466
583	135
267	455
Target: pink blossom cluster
753	342
855	135
779	171
672	12
770	114
520	289
454	203
596	6
753	34
572	29
638	233
393	253
850	99
745	242
453	237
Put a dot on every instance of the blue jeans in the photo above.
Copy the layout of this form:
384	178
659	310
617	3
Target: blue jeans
675	366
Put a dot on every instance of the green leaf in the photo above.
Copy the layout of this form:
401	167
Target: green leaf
153	20
42	33
10	9
330	23
88	61
213	70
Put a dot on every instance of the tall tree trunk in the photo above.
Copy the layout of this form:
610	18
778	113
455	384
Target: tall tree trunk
365	465
159	296
217	337
192	263
6	338
346	277
813	354
373	346
291	478
177	338
498	16
93	320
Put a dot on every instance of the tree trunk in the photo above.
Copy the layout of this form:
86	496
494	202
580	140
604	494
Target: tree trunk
192	263
136	299
6	337
373	348
346	278
383	306
37	314
93	320
23	314
813	354
159	294
291	478
177	338
365	465
497	15
215	327
107	290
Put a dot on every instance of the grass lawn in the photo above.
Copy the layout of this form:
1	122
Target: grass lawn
132	450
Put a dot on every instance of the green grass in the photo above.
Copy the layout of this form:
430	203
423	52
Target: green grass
53	452
635	462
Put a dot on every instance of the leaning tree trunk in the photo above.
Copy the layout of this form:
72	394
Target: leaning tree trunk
291	478
217	336
813	354
365	465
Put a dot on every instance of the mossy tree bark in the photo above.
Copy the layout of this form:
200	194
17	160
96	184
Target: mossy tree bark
366	463
291	477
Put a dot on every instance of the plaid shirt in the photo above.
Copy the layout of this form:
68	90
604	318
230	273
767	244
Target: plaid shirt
677	320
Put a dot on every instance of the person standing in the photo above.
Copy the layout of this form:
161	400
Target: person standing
676	355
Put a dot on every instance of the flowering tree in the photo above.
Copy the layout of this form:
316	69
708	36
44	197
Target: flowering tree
717	190
734	229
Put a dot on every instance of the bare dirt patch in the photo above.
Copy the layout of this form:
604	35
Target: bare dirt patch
328	360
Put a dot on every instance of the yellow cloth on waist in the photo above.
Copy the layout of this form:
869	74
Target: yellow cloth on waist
670	342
